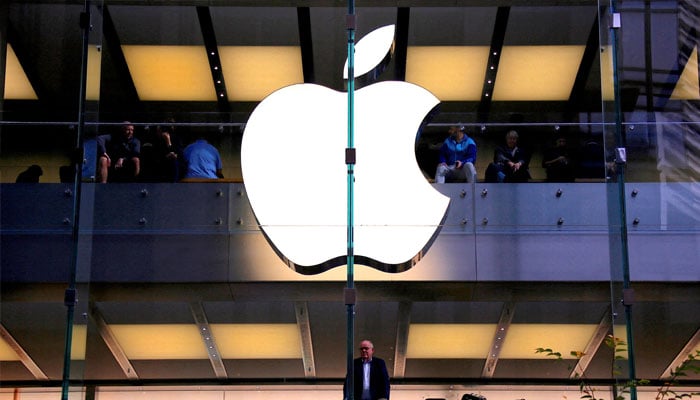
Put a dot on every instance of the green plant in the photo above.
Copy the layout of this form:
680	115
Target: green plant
621	390
690	364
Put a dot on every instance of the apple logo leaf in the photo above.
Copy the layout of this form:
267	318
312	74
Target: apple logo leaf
372	54
293	166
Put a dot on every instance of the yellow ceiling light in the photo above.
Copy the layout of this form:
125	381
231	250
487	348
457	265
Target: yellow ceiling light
17	85
78	342
537	73
7	353
523	339
451	73
253	72
94	73
160	342
257	341
170	73
449	340
607	81
687	87
620	334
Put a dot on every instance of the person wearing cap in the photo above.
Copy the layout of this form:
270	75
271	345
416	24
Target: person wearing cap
457	157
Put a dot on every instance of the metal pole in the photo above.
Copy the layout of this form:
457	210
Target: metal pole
71	298
620	163
350	162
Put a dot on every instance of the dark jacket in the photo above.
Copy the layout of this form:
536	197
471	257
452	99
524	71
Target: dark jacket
378	380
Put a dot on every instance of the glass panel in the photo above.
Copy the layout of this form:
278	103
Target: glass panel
181	291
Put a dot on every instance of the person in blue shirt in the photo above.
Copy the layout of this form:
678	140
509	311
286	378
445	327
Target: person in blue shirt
202	160
457	157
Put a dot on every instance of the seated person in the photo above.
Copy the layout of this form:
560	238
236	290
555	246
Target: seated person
66	173
558	162
510	162
457	157
591	161
30	175
161	156
202	160
118	156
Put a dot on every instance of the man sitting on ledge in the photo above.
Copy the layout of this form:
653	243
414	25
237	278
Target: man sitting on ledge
510	162
118	156
457	157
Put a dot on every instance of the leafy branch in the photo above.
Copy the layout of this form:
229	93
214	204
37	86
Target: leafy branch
586	389
690	365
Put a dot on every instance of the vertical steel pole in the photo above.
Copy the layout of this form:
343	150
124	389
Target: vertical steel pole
71	297
621	164
350	162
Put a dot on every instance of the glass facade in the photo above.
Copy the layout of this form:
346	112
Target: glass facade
580	281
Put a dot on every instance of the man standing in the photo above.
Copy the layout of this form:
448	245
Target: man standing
370	376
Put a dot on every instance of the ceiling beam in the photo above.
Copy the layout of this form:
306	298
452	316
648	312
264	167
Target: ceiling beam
682	356
212	48
604	328
403	15
301	310
402	327
497	38
590	55
127	100
22	355
687	41
200	319
4	19
306	44
498	339
112	344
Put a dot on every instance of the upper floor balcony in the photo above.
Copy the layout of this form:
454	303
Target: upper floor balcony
207	232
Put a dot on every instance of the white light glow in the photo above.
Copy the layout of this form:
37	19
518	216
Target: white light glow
296	176
371	50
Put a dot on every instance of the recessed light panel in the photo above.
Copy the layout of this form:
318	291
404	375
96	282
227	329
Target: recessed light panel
170	73
451	73
537	73
257	341
17	85
253	72
450	340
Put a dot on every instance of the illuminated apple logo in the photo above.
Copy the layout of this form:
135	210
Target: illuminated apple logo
293	164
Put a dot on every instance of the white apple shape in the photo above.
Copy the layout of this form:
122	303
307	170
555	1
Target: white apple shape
293	164
371	50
